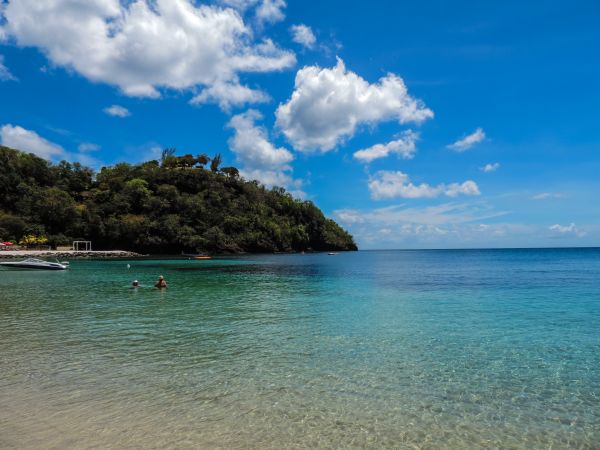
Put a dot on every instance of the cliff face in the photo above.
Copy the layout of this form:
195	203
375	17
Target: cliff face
164	207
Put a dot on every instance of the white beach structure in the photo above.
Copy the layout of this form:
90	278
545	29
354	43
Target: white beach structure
87	246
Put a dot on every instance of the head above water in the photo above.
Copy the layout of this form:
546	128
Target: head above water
160	277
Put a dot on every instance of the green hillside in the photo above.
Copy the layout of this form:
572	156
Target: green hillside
177	204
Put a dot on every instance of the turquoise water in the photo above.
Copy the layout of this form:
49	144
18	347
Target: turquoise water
386	349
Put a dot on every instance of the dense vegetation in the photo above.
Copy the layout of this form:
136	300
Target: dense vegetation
176	204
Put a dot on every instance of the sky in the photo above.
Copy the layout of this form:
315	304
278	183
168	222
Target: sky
428	124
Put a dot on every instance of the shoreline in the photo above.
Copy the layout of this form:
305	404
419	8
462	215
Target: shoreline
77	254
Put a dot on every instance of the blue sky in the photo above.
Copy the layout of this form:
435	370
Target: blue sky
413	124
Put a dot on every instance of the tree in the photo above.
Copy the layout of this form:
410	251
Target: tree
158	208
202	159
167	153
231	172
187	161
216	161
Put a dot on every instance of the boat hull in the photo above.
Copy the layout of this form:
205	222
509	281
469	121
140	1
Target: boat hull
33	266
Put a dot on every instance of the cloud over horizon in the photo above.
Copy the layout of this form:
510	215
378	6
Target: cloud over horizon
570	229
402	226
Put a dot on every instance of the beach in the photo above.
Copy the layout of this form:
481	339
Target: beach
60	254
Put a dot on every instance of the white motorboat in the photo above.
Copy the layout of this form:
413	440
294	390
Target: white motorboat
34	263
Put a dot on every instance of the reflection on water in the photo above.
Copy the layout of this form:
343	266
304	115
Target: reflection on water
449	349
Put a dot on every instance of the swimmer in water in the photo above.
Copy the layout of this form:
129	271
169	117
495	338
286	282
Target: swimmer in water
161	283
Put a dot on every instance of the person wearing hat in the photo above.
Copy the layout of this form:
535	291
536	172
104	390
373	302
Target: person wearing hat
135	284
161	282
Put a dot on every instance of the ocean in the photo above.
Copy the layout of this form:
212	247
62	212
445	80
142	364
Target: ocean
370	349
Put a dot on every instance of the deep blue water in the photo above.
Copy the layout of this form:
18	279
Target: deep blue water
377	349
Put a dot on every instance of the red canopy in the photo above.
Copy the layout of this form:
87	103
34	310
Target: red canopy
7	243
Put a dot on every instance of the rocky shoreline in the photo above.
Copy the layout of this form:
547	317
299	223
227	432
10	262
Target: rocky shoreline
67	254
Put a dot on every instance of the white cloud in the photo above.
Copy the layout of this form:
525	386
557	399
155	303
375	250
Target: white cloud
240	5
328	105
143	46
29	141
492	167
260	159
267	11
88	147
473	224
404	147
5	74
349	216
567	229
547	195
390	184
270	11
466	188
19	138
468	141
117	111
444	225
227	95
303	35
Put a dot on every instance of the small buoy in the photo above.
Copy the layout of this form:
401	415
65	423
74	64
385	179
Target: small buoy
129	266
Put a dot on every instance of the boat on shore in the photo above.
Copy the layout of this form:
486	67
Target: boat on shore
35	263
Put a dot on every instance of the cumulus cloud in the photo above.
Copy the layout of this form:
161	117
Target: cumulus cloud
259	158
570	229
303	35
491	167
327	106
390	184
270	11
266	11
142	46
29	141
117	111
405	147
5	74
19	138
468	141
227	95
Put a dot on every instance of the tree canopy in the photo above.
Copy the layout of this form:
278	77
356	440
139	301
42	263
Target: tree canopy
160	207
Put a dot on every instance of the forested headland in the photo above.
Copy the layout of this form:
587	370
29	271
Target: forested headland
180	203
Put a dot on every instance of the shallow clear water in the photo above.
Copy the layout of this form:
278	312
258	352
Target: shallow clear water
388	349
